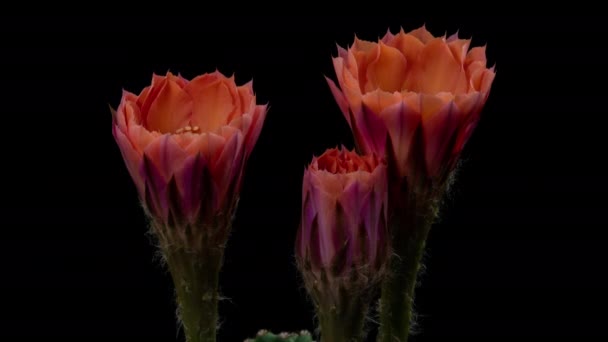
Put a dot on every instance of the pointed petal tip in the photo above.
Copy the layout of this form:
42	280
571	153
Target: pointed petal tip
113	112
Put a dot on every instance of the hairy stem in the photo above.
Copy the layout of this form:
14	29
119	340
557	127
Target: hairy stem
343	322
409	227
195	276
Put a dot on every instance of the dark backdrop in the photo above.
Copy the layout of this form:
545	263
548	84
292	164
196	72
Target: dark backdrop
519	250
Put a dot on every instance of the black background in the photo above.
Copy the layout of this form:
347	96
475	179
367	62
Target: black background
519	251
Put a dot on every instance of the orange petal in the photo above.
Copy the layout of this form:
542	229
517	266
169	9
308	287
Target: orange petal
140	137
459	48
432	104
476	54
468	103
422	34
170	110
363	45
410	47
475	75
378	100
487	80
214	100
247	97
437	71
149	94
388	70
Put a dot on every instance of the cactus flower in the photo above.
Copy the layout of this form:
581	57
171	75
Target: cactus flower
185	145
415	99
413	96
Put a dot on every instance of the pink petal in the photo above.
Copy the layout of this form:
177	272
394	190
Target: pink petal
228	168
166	155
340	99
193	186
255	128
370	131
131	157
402	122
325	205
439	128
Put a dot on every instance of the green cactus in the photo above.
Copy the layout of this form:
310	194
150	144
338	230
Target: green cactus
267	336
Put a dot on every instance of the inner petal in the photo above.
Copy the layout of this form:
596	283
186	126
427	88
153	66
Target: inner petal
170	110
388	70
438	70
213	102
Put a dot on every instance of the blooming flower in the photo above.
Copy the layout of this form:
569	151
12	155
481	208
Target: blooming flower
185	144
413	97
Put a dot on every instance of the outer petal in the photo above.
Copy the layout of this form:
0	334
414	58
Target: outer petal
132	158
469	106
325	206
378	100
255	128
247	103
340	99
209	144
166	155
352	200
369	130
401	121
227	170
194	184
459	48
309	215
439	129
476	54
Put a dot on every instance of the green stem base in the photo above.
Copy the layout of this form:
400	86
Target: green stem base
195	277
343	322
409	227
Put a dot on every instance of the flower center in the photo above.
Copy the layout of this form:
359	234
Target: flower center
186	129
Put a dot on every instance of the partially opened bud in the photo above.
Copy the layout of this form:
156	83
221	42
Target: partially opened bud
342	244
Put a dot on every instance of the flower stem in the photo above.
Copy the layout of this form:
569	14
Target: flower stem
195	277
343	322
409	227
